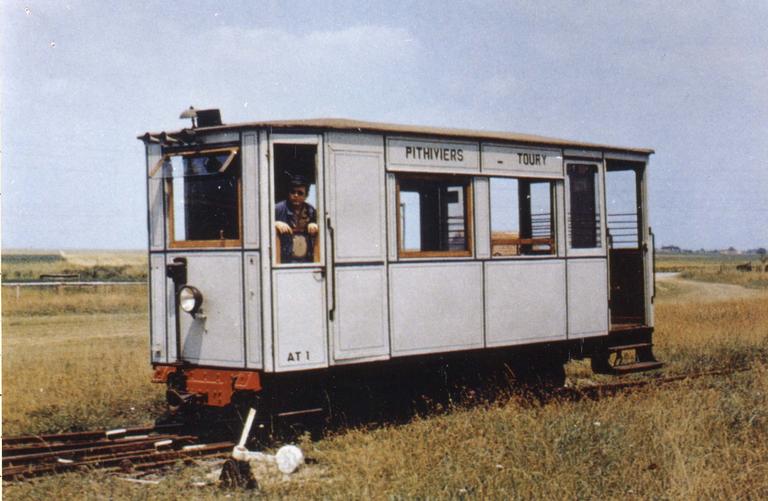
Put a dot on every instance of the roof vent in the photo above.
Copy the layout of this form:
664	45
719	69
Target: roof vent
202	118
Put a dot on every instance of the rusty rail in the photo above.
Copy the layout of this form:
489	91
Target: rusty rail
141	448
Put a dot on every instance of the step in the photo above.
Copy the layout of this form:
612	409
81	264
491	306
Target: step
636	367
614	349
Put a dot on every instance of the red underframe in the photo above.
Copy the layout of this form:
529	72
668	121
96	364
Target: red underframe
217	385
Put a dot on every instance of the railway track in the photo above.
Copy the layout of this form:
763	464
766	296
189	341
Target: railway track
125	450
599	391
144	449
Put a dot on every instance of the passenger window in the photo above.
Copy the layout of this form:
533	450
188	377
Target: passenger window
434	216
297	232
522	217
203	194
584	210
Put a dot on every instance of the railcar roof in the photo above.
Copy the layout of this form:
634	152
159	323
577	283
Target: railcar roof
348	125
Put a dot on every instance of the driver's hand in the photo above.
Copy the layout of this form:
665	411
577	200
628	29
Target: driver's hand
283	228
312	229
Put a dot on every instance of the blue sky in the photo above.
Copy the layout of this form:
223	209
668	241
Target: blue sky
81	79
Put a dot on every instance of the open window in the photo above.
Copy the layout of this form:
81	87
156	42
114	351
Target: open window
522	217
297	232
434	216
203	195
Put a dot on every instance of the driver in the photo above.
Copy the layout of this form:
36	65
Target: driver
296	223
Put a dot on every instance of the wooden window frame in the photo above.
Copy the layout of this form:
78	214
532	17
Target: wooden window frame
214	243
468	217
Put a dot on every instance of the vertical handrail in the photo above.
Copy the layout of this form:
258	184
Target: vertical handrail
653	257
331	263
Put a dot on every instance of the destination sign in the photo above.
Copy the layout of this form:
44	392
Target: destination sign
415	155
498	159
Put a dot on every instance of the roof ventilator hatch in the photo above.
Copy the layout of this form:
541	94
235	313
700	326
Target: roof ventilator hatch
202	118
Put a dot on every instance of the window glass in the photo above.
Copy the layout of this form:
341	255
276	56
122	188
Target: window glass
433	216
522	219
297	232
204	197
584	210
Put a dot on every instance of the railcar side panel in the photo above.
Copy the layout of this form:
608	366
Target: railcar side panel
361	317
253	316
265	206
587	297
436	307
250	159
482	204
299	319
356	205
158	338
216	335
525	302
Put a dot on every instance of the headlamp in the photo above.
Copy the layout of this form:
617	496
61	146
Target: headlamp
190	299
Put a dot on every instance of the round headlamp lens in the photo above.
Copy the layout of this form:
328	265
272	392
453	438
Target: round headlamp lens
190	299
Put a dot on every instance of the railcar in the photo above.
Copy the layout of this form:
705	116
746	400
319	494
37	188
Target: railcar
411	247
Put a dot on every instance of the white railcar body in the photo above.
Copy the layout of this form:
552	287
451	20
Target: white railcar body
429	242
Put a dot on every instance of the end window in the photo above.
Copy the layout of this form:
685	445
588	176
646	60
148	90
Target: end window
434	216
522	217
203	198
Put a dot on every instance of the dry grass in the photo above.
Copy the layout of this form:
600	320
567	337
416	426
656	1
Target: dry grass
704	438
69	372
58	300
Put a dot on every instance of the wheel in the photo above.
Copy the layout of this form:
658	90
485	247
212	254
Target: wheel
601	363
539	372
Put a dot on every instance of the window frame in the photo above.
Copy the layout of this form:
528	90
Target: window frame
468	191
554	240
287	139
169	201
600	250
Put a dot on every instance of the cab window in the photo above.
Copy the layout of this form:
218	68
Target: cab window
203	193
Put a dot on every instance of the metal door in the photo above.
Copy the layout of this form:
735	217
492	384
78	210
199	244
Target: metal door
356	224
586	263
299	309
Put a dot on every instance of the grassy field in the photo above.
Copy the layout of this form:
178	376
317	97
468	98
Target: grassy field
703	438
716	268
87	265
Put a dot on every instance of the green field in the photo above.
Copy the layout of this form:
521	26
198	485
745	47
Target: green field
79	359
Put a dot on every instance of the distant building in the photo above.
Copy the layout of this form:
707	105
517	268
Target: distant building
671	249
730	251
